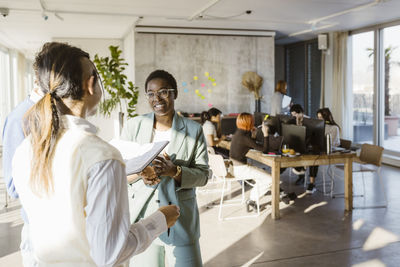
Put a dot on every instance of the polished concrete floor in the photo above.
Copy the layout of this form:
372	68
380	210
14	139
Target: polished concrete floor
314	230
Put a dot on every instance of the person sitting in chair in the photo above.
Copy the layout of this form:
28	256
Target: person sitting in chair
242	141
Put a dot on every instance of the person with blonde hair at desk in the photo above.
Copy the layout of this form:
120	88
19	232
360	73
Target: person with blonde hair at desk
242	141
71	183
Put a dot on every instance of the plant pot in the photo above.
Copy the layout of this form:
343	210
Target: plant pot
121	121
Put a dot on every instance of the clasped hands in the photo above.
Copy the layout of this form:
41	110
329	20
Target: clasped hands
161	165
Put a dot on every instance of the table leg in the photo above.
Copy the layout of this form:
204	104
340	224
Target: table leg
348	184
276	174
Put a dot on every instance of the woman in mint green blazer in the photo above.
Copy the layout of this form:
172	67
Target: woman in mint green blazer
172	178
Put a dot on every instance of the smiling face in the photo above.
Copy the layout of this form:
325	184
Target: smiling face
161	106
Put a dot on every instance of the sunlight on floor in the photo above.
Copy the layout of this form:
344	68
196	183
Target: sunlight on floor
358	224
307	210
228	232
371	263
379	238
250	262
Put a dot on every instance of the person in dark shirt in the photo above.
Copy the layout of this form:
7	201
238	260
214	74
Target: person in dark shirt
242	141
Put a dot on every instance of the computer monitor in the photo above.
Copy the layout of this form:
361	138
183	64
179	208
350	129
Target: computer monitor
273	124
288	119
275	143
315	135
295	137
258	118
228	125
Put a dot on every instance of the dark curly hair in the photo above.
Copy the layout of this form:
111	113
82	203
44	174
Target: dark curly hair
164	75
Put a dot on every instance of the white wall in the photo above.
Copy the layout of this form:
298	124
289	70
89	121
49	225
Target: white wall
106	126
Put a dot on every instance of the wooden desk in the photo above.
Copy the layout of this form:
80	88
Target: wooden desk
276	163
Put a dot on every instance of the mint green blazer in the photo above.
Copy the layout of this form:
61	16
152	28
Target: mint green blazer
187	149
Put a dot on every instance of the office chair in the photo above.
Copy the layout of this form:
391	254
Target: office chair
346	144
219	170
369	160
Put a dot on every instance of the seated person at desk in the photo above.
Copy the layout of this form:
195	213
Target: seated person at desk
331	128
242	142
209	130
297	111
215	117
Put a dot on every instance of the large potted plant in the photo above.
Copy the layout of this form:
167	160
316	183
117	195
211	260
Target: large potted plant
253	82
120	92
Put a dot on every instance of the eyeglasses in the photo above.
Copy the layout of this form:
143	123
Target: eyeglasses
163	93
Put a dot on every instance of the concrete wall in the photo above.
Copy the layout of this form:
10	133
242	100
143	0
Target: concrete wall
225	58
279	63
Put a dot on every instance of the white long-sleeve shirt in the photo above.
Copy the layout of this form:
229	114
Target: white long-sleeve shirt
85	220
113	240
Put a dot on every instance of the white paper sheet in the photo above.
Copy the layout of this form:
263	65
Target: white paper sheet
137	156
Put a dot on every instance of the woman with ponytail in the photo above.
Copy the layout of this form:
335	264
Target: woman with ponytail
71	183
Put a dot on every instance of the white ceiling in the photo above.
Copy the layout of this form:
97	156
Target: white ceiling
25	29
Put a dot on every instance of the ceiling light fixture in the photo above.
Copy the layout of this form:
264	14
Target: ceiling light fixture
247	12
314	22
312	29
45	11
44	16
357	8
58	16
199	13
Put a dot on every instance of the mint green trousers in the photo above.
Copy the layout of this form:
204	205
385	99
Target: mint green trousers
158	255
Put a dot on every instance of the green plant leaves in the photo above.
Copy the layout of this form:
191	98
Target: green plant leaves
115	83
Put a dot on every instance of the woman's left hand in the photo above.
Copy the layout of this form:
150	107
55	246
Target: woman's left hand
253	132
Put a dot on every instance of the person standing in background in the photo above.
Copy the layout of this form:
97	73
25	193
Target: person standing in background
13	135
276	101
172	178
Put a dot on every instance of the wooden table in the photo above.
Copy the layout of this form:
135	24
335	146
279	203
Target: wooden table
276	163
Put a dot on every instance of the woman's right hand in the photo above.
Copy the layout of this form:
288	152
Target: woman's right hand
149	176
299	119
265	129
171	213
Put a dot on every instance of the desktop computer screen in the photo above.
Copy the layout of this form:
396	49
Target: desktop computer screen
295	137
315	135
259	118
228	125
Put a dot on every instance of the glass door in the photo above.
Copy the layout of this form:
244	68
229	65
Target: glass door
391	90
363	87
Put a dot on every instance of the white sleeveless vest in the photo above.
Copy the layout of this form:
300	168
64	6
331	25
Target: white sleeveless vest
57	222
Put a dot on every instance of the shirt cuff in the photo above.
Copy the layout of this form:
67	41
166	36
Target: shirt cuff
156	223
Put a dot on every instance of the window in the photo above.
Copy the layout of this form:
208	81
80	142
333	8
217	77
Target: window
363	87
391	90
303	75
